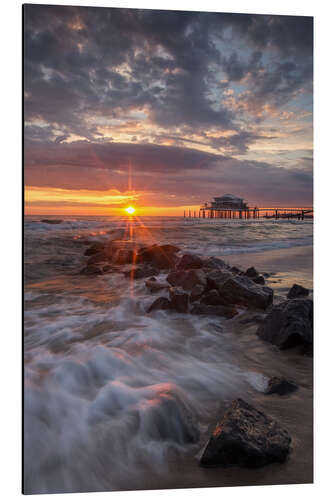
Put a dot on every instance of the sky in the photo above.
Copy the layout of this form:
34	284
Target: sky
164	110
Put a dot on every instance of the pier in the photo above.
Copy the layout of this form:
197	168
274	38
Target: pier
231	207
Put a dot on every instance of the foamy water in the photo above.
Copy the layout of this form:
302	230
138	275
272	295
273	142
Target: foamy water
113	395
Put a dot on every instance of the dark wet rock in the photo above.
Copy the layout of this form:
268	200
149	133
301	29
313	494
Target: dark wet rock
96	258
297	291
214	263
170	420
289	324
95	248
236	270
246	437
91	269
155	286
175	278
259	280
190	261
192	278
211	298
159	303
52	221
251	272
144	271
123	256
179	300
162	257
281	386
196	293
218	310
217	277
243	291
187	279
107	268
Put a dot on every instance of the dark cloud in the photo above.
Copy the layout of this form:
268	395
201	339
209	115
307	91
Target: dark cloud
171	71
187	173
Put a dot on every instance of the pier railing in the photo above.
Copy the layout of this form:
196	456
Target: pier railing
211	212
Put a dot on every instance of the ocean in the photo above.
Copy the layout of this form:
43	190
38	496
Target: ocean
111	392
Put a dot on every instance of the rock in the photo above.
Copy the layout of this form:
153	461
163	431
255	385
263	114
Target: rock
289	324
241	290
175	278
192	278
169	420
297	291
155	285
95	248
159	303
214	263
123	256
107	268
196	293
179	300
251	272
216	278
246	437
281	386
142	271
52	221
91	270
162	257
236	270
96	258
190	261
211	298
259	280
219	310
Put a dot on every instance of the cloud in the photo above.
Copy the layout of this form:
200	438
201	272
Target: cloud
159	171
105	87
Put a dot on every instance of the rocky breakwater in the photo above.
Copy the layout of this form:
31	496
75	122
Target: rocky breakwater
210	286
190	283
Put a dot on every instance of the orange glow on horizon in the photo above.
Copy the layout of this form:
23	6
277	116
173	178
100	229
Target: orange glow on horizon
56	201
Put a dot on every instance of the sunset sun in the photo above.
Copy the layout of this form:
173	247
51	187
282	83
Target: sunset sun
130	210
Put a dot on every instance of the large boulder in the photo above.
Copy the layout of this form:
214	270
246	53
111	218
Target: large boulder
179	300
211	298
190	261
217	277
289	324
161	257
194	277
214	263
142	271
196	292
297	291
218	310
246	437
176	278
242	290
123	256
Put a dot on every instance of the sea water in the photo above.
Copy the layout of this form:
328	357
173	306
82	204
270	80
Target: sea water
115	397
